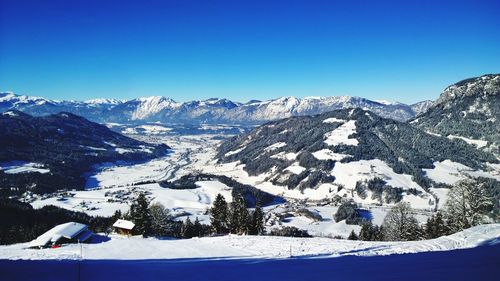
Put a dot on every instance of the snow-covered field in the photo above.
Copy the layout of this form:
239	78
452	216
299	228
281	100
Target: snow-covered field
16	167
234	246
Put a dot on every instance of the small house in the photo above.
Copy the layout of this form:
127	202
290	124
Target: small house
124	227
70	232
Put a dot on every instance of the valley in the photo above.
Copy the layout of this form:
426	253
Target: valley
112	186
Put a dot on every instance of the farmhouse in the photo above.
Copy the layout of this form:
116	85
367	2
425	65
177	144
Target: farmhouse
124	227
70	232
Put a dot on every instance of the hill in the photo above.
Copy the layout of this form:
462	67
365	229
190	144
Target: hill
43	154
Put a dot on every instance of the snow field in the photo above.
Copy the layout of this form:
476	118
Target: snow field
341	134
234	246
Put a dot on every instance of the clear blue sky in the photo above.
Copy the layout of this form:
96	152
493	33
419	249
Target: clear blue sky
394	50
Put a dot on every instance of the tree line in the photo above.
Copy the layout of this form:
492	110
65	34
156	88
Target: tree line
470	202
155	220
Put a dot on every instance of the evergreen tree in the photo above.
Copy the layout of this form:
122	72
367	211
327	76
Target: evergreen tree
219	215
257	221
353	236
117	215
369	232
188	230
141	215
239	216
197	228
436	226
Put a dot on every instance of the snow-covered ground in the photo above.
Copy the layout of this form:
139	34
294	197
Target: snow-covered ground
234	246
17	167
450	172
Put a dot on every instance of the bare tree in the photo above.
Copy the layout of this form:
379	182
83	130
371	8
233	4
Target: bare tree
469	203
400	224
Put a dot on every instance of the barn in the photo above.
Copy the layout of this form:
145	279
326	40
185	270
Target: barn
70	232
124	227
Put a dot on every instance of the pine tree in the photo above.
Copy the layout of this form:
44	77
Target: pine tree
141	216
188	229
197	228
353	236
117	215
219	215
368	232
239	216
436	226
257	222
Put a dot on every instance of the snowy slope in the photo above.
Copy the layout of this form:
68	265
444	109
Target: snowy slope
233	246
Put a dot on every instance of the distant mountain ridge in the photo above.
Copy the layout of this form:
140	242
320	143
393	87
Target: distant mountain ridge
162	109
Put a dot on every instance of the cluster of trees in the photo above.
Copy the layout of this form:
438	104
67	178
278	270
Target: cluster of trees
235	217
470	202
348	211
156	220
381	191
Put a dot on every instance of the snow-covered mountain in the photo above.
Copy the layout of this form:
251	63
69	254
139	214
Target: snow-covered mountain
162	109
43	154
421	107
468	110
354	153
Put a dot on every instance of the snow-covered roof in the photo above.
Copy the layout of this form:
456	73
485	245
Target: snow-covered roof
67	230
125	224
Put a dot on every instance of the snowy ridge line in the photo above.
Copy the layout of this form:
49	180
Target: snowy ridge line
244	247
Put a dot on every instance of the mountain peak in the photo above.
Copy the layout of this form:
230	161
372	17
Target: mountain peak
488	84
104	101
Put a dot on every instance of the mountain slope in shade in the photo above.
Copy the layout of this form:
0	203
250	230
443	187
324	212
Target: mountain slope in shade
421	107
43	154
468	110
353	152
156	108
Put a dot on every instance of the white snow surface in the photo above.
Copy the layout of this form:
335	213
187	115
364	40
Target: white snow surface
234	246
450	172
67	230
327	154
275	146
19	167
334	120
477	143
341	134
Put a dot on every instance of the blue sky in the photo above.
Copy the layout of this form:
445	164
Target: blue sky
242	50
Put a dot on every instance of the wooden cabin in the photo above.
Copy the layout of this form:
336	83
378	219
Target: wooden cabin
123	227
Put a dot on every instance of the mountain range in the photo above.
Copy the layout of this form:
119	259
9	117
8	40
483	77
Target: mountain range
211	111
356	153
